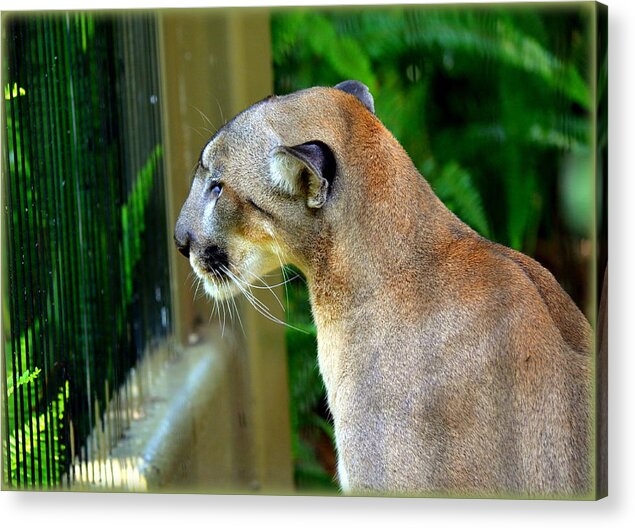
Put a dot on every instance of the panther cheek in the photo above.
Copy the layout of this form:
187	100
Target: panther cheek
209	212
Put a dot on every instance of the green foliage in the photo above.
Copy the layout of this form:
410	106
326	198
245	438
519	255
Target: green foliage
33	432
13	92
24	379
306	393
133	216
81	190
39	434
454	185
492	104
456	86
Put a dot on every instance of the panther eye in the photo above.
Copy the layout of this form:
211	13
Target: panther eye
215	190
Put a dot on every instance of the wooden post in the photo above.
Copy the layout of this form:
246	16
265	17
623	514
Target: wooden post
217	62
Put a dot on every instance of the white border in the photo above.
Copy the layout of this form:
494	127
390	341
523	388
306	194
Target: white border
49	510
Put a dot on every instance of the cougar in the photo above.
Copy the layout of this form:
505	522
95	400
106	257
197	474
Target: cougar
452	364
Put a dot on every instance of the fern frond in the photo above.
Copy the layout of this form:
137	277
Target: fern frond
454	186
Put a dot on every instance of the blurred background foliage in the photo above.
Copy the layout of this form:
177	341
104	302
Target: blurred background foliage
493	104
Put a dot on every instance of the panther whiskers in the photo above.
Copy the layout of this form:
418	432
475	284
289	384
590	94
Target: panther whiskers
245	289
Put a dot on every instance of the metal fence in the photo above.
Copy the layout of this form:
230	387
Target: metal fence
86	290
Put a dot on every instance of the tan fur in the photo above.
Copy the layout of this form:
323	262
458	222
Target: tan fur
452	364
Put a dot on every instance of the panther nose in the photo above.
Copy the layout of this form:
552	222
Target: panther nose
184	249
182	239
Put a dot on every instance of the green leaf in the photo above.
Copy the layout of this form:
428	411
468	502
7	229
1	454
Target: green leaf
454	186
25	378
12	93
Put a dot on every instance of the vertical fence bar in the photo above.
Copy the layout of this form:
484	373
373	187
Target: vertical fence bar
38	201
82	151
33	63
68	214
62	358
22	244
51	250
9	146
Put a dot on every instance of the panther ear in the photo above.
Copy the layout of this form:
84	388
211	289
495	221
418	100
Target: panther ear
359	90
306	169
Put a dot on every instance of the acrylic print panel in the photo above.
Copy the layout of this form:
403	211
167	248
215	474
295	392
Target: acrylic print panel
395	280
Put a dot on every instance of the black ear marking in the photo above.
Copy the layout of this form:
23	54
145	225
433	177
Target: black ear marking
318	162
317	156
359	90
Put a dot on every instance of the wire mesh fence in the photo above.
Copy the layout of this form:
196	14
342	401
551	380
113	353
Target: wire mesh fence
86	290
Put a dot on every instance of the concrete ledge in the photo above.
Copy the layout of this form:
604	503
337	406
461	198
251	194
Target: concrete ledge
176	430
182	432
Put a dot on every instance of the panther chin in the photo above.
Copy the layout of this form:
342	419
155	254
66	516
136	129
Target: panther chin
217	284
220	289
